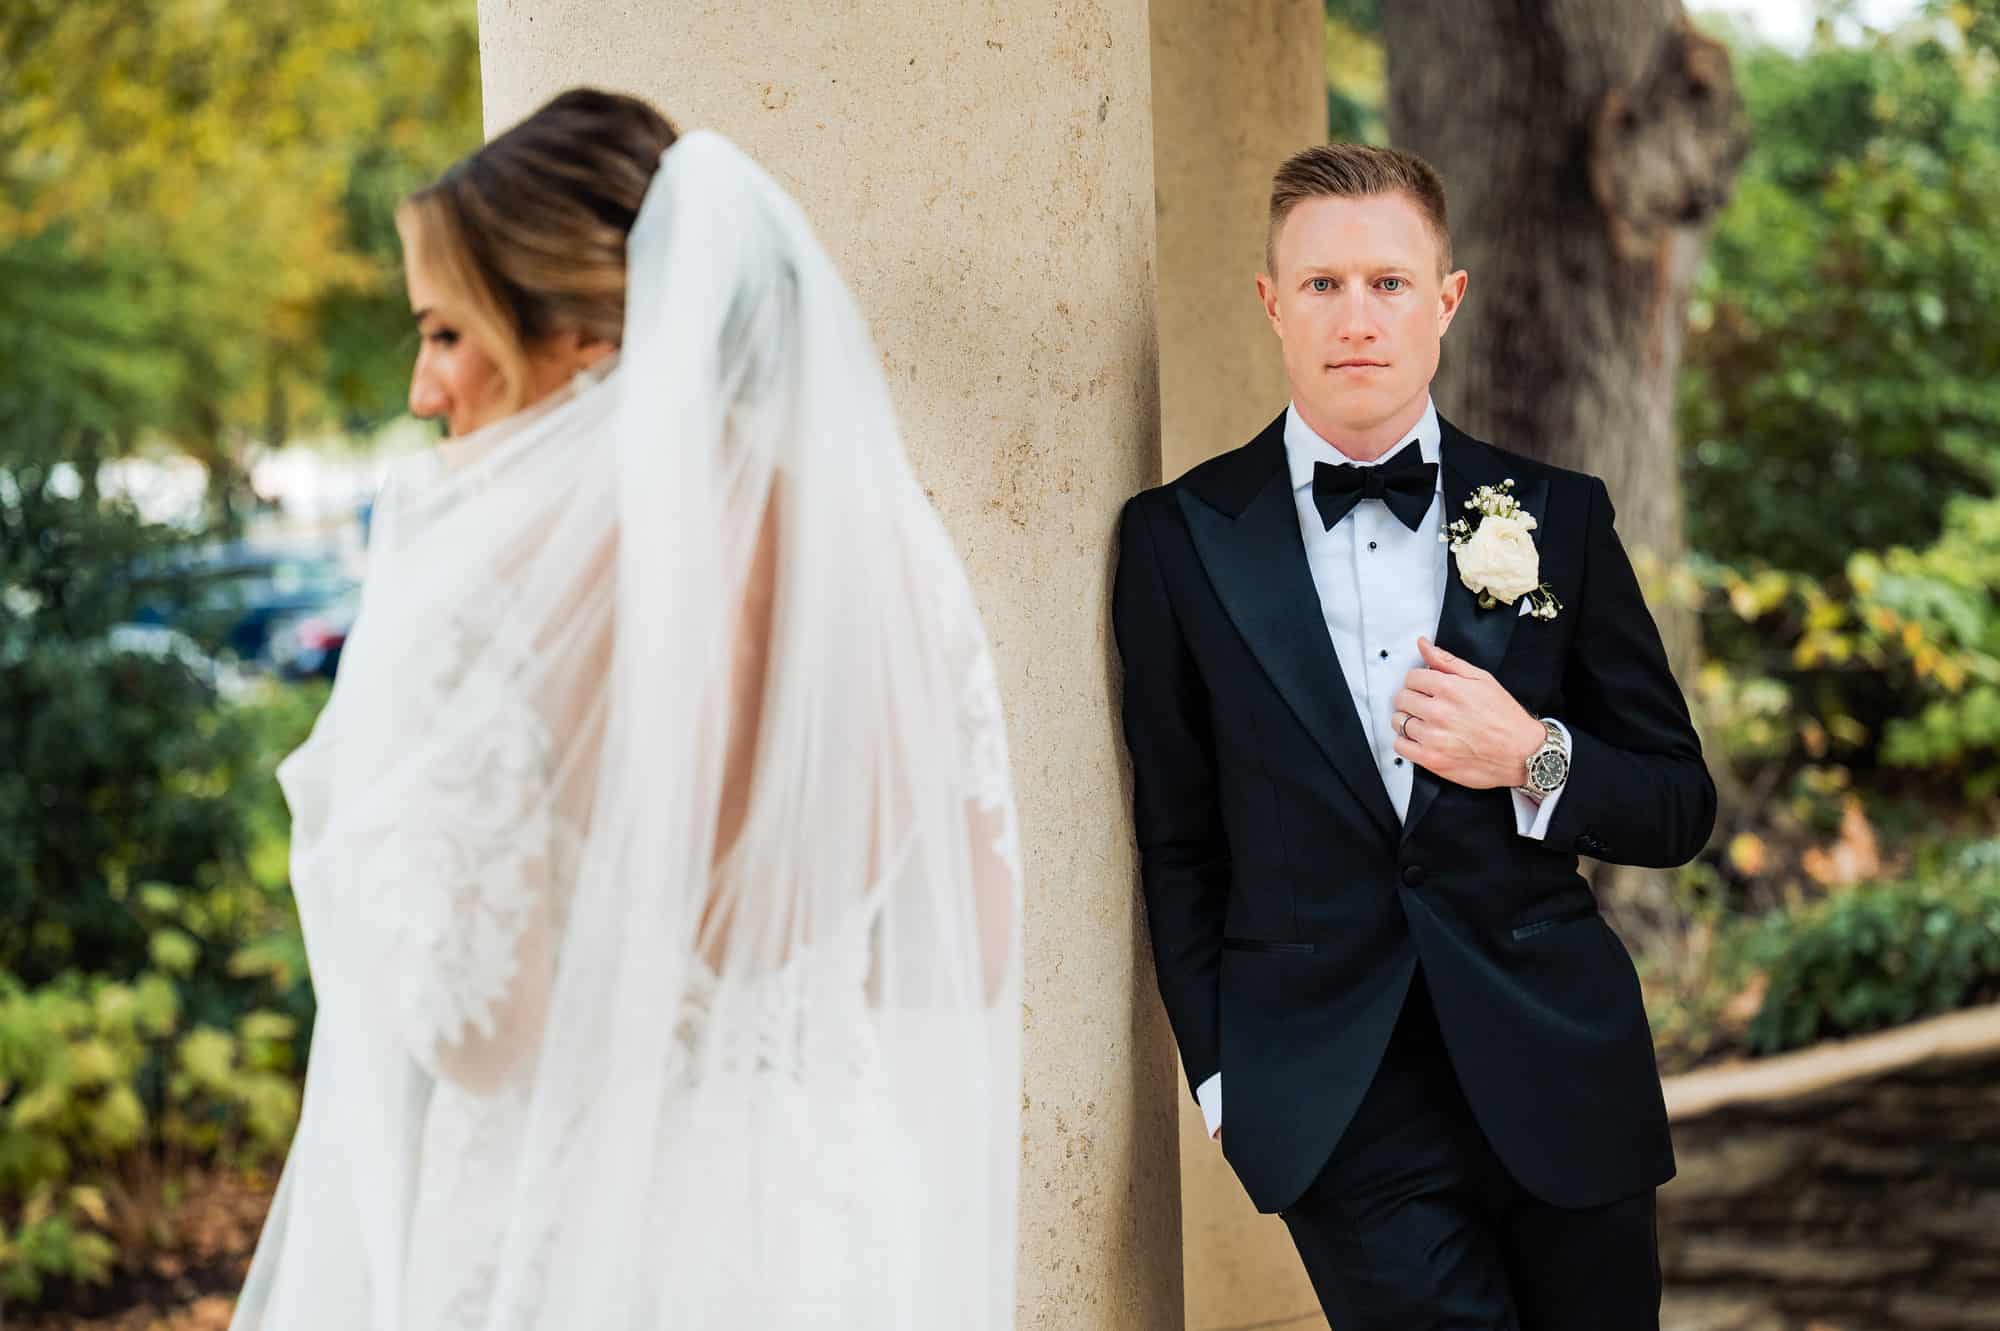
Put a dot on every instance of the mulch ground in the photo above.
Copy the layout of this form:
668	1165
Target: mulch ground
190	1285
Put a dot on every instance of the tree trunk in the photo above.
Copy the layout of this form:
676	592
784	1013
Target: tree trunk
1585	145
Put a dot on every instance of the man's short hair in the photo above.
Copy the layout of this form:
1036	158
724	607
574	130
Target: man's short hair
1356	171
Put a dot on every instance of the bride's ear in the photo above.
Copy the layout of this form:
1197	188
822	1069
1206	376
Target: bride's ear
572	351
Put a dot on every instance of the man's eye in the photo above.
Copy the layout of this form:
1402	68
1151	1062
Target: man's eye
1393	283
1321	284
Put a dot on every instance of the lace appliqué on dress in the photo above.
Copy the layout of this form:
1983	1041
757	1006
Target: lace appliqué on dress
988	783
478	849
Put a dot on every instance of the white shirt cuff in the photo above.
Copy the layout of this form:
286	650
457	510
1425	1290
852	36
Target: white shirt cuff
1531	820
1209	1093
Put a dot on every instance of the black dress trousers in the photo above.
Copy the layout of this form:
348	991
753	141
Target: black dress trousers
1415	1225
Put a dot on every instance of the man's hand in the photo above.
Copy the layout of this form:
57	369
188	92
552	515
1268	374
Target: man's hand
1454	719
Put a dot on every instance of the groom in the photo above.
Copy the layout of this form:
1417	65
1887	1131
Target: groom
1372	728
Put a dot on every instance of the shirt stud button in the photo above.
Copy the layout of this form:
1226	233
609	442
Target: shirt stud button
1371	545
1385	656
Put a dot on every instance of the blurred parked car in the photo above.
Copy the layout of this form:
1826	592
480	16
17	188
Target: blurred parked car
308	646
237	595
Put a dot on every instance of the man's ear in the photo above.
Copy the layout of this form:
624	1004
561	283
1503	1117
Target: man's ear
1267	292
1450	296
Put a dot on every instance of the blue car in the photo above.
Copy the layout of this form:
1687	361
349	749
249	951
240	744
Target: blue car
238	596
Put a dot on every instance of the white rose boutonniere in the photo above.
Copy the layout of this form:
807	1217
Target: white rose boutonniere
1497	559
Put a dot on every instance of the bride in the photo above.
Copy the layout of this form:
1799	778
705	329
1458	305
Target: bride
656	849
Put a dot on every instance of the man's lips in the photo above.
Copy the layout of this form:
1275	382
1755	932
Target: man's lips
1359	365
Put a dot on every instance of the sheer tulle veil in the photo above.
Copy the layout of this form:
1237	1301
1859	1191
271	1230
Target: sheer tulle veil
663	800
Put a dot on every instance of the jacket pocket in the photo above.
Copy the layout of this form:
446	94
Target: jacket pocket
1537	926
1266	945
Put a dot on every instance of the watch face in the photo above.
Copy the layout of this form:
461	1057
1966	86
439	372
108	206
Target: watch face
1548	769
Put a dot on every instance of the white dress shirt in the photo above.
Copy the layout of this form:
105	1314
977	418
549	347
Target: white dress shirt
1380	587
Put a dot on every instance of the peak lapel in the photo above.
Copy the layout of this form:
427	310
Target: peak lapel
1464	630
1257	563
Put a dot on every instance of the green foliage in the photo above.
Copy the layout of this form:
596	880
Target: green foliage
94	1073
153	998
1841	447
194	214
1837	389
1892	664
1356	72
86	352
122	761
1879	955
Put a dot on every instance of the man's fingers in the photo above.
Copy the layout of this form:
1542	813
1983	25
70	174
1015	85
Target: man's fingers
1433	682
1442	661
1411	751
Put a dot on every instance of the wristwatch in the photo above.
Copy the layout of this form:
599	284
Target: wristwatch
1548	766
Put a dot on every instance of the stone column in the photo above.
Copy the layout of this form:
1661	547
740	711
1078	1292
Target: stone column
1238	86
983	173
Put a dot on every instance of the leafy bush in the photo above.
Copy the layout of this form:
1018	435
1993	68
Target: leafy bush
1879	955
126	768
154	1009
1893	664
105	1083
111	1085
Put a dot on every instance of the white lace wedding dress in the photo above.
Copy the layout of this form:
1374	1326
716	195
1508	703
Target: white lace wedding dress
804	1041
656	851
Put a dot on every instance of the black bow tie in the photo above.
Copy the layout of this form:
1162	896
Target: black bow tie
1405	483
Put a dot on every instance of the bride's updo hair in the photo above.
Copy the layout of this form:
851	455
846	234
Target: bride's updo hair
530	229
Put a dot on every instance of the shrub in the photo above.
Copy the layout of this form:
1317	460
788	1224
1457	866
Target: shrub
1879	955
105	1085
1892	664
121	764
154	1009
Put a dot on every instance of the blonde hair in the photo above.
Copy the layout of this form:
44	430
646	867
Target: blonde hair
529	231
1356	171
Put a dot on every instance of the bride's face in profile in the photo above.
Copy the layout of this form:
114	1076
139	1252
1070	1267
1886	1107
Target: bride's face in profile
457	379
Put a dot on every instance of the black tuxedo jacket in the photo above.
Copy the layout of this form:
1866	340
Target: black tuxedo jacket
1289	909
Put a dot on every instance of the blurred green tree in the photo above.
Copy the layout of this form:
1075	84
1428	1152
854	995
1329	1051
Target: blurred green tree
1355	72
1838	390
201	195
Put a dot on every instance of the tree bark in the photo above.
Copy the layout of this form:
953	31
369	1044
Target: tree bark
1585	145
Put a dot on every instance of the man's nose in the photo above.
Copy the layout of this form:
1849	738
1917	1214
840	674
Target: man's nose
1354	320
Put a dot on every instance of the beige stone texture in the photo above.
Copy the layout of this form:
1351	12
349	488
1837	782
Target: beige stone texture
1237	88
984	176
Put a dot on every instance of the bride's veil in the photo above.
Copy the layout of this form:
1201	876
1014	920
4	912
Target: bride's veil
663	801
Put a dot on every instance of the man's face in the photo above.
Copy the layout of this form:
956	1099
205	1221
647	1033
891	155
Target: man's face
1360	306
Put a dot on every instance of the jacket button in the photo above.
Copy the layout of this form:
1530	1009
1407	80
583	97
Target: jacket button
1413	875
